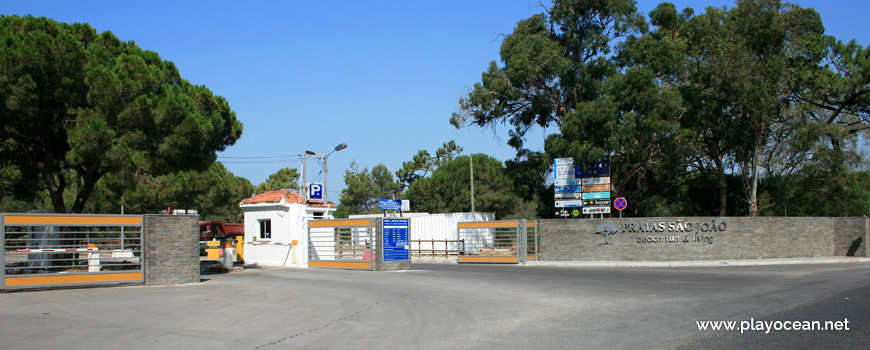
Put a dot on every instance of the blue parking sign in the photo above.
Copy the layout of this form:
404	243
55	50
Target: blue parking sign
315	191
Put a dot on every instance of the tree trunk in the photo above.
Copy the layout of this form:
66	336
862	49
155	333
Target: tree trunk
723	182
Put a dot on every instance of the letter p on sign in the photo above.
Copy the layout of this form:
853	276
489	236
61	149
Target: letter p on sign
315	191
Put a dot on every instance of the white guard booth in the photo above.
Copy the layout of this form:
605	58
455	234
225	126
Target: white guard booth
276	227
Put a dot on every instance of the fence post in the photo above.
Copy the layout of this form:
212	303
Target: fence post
524	241
2	252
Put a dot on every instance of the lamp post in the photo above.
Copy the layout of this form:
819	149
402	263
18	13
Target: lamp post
340	147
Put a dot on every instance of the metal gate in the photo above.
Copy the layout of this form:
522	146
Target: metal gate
45	250
343	244
507	241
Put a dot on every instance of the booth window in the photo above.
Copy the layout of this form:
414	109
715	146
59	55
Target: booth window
266	229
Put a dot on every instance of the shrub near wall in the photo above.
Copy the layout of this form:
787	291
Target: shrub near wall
700	238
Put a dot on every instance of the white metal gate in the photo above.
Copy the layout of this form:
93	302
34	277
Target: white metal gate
342	243
506	241
44	250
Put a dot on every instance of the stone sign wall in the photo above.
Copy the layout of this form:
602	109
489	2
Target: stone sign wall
701	238
171	249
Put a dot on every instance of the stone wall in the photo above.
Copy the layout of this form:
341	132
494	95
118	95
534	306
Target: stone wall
171	249
700	238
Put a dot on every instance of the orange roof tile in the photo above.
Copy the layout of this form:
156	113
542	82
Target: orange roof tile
287	196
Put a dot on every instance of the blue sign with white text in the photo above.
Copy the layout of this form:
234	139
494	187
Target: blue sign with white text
390	204
397	240
568	189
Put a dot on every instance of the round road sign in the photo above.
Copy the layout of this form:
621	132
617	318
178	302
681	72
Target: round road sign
620	203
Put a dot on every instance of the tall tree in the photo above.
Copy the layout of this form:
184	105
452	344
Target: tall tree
285	178
448	189
215	192
552	62
364	188
423	163
90	103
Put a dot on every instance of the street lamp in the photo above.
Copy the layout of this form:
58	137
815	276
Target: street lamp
340	147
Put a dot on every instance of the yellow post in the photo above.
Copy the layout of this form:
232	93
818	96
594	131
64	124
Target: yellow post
240	248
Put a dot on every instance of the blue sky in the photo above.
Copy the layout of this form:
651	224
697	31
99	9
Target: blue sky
381	76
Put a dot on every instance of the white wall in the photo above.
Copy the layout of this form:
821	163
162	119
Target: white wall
289	223
286	227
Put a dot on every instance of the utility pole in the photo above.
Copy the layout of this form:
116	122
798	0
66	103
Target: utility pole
471	162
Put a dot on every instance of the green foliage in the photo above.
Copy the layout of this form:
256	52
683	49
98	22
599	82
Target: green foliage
733	111
365	188
552	62
423	163
79	101
285	178
448	189
215	192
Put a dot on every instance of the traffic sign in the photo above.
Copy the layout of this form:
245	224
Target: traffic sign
569	203
596	180
568	182
567	189
563	161
596	195
596	202
575	195
596	210
596	188
315	191
620	203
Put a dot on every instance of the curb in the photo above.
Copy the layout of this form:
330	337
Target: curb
693	263
701	263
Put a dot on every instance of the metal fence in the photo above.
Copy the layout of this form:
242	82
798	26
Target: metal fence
346	244
43	250
508	241
436	247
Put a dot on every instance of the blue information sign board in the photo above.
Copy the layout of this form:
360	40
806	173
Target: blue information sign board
396	240
390	204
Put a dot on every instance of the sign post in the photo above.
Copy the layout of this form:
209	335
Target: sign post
620	204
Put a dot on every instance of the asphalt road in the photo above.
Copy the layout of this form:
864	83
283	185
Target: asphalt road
448	306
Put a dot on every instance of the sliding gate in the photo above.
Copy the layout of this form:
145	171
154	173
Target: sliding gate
46	250
342	243
508	241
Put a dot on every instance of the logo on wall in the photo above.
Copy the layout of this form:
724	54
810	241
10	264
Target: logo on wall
606	230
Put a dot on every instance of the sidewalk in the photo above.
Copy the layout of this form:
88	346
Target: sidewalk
696	263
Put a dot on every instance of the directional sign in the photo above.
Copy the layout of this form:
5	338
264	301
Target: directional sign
595	180
569	203
596	188
563	161
596	202
620	203
596	195
596	210
315	191
568	182
567	189
396	240
565	172
597	169
389	204
575	195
